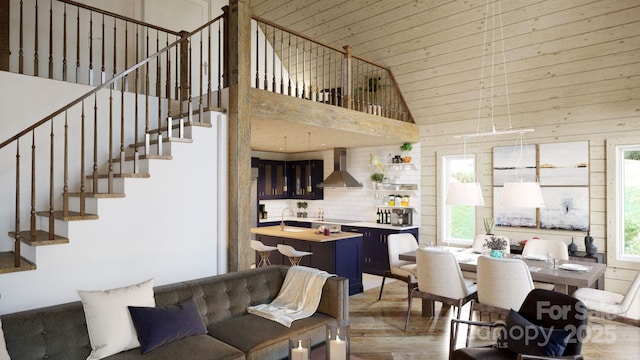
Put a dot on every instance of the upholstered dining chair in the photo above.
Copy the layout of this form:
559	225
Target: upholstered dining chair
544	248
264	251
548	333
503	284
602	301
440	279
400	269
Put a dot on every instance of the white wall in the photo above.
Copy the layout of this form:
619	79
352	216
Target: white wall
166	227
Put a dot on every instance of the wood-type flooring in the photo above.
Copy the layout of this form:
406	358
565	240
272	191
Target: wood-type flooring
377	330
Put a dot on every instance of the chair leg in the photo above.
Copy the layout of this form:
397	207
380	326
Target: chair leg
384	276
469	327
410	301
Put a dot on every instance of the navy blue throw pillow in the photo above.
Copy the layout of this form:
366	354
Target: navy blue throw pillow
524	337
161	326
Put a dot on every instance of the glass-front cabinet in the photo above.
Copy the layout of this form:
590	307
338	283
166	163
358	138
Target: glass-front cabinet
278	179
272	180
304	179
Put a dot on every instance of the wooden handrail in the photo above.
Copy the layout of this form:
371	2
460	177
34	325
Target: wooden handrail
118	16
300	35
106	84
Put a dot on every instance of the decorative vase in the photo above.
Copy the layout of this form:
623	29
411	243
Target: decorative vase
588	245
495	253
572	247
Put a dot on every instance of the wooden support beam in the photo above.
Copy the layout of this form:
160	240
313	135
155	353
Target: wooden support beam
239	141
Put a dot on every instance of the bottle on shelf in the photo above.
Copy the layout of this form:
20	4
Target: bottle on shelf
378	216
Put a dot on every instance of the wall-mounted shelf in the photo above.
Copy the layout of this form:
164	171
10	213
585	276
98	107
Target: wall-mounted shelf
396	187
401	166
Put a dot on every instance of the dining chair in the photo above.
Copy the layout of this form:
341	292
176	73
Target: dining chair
440	279
264	251
555	249
536	331
548	248
294	255
626	306
400	269
503	284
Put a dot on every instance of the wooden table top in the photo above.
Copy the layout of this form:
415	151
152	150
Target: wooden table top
300	233
540	269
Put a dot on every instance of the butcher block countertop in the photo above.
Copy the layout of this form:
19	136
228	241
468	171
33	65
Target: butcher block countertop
300	233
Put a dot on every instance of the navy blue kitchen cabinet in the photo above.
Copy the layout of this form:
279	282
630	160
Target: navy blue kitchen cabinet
374	246
304	178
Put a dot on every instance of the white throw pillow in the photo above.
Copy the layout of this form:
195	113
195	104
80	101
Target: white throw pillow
108	320
4	354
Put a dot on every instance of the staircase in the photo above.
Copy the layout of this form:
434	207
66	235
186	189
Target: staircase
72	162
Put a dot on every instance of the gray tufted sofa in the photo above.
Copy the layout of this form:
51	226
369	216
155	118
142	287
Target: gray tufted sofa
59	332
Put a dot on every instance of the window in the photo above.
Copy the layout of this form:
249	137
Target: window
458	222
629	177
623	204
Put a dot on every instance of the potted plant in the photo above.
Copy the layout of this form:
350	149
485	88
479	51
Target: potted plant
302	209
489	223
376	179
405	148
496	245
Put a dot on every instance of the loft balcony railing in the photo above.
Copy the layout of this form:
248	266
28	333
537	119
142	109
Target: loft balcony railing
292	64
107	131
74	42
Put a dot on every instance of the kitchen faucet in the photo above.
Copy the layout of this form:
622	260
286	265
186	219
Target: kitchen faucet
282	220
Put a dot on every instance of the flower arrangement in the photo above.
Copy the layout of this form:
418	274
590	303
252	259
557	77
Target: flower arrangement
496	243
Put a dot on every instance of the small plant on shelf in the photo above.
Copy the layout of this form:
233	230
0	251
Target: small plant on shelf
405	148
377	177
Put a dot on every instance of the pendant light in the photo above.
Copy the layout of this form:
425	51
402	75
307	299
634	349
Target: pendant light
309	188
519	193
465	194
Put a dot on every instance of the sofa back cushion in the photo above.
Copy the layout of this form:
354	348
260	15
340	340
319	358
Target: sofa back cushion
225	296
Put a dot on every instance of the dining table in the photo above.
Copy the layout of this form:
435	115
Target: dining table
566	276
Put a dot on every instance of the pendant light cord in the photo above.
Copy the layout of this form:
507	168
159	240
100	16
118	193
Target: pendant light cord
504	62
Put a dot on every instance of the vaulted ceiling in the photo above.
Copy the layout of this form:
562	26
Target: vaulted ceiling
557	52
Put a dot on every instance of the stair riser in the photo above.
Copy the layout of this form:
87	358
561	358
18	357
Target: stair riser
61	226
143	167
91	206
103	185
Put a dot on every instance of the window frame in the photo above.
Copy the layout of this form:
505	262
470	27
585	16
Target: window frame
615	203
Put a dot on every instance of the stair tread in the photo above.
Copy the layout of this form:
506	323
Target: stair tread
176	125
6	263
164	140
71	215
143	157
97	195
41	238
122	175
204	109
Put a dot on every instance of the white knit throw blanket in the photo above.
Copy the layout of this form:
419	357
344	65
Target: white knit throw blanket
298	298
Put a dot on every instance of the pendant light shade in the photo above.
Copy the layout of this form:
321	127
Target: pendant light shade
466	194
522	195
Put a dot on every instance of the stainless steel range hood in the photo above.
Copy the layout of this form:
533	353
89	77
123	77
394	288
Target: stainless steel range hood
340	177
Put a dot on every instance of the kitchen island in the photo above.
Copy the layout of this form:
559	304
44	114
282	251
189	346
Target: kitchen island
338	253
